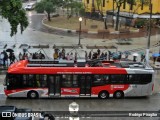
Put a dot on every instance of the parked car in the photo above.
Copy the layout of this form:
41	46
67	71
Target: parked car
30	6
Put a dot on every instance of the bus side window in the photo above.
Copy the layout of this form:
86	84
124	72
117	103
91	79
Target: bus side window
134	79
146	78
30	80
75	81
66	80
38	81
43	80
106	79
98	80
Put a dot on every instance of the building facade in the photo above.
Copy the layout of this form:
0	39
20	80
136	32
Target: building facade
135	10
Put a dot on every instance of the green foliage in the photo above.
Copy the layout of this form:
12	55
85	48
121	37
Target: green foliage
12	10
74	6
140	23
46	5
49	7
39	7
133	2
99	4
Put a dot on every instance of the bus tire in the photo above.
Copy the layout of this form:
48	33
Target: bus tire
118	94
32	95
103	95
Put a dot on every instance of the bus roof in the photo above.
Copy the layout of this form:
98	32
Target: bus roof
81	67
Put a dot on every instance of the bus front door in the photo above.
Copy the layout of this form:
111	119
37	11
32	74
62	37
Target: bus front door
85	85
54	86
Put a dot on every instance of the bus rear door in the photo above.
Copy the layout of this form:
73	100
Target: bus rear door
54	85
85	85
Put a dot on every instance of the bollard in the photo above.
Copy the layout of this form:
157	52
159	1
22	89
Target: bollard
73	109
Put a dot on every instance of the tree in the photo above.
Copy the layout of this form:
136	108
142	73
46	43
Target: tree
12	11
99	5
73	7
45	5
49	8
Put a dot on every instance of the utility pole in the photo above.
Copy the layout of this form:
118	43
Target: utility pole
149	33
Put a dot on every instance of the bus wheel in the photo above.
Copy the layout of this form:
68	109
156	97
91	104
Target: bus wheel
103	95
32	95
118	94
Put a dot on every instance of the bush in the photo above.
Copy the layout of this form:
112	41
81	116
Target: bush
140	23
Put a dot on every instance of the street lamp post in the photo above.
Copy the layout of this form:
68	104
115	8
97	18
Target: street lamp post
105	24
149	34
80	20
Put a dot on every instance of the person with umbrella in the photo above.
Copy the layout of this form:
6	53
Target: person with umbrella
5	58
10	50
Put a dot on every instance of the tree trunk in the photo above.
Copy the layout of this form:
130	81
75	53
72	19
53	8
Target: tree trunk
49	16
117	18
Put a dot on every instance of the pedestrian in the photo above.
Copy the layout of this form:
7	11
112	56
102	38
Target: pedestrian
105	55
5	58
55	54
20	56
98	51
75	57
43	56
71	56
102	55
63	53
86	56
154	60
34	56
134	58
142	57
26	56
68	56
120	56
126	56
40	55
90	55
30	56
12	58
109	56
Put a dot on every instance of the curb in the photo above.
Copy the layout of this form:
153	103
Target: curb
89	32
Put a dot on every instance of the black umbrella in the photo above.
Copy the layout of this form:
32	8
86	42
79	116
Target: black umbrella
9	50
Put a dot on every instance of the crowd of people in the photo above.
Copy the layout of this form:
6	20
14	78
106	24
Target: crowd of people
7	59
61	54
26	56
4	57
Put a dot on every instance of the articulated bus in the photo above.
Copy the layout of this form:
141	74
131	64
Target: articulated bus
103	79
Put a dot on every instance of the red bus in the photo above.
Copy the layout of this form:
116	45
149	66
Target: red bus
103	79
